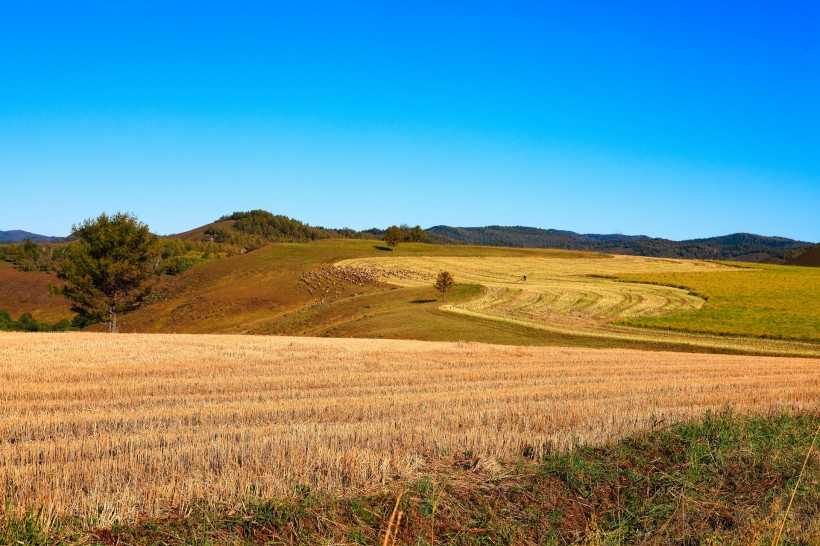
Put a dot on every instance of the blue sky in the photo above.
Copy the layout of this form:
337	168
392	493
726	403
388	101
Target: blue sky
679	120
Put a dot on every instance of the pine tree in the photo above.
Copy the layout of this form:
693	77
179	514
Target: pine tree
108	268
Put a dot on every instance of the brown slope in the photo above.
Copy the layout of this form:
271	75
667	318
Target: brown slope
244	293
198	234
27	292
810	258
260	292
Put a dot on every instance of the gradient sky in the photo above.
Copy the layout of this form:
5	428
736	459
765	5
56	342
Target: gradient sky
678	120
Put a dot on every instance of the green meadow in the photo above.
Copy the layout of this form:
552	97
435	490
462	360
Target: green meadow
771	301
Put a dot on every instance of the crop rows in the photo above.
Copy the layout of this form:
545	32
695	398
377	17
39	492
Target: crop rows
555	288
577	296
130	426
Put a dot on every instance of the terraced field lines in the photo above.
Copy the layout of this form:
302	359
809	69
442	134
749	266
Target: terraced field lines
577	288
582	296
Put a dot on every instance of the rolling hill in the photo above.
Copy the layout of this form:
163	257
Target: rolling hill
19	236
810	258
738	246
254	228
294	286
355	289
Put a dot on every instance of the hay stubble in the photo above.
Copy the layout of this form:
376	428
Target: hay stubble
144	425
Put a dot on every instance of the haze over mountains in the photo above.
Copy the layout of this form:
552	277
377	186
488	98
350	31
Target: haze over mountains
19	236
256	227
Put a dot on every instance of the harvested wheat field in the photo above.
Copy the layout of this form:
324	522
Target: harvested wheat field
129	426
568	290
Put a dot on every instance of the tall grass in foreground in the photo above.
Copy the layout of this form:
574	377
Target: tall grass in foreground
721	479
118	428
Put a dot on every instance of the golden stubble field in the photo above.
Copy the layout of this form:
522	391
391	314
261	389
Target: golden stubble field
570	290
127	426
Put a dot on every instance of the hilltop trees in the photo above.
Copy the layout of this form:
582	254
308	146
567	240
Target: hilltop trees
254	228
444	282
107	270
404	233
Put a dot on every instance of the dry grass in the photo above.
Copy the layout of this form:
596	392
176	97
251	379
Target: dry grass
128	426
27	292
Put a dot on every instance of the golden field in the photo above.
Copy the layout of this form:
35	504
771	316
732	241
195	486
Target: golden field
132	426
570	291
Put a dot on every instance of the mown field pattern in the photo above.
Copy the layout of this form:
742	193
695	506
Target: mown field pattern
110	427
556	289
592	296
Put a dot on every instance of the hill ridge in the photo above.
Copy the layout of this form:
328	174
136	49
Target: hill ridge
19	236
255	228
744	246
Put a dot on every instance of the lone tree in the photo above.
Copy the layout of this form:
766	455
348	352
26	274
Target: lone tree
444	282
107	270
393	236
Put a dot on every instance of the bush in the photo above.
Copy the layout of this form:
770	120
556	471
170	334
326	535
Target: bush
27	323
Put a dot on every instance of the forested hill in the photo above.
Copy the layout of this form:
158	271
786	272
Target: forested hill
256	227
738	246
19	236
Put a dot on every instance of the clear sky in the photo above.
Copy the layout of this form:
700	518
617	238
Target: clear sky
672	119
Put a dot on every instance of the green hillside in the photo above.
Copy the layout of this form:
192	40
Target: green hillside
763	301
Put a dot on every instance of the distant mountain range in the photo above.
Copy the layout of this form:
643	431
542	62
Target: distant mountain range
738	246
18	236
255	228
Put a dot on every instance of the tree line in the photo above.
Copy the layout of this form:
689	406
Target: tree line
404	234
714	248
27	323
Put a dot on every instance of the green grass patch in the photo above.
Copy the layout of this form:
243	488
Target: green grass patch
779	302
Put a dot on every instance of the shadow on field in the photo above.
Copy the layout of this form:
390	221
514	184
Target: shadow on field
385	248
423	301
